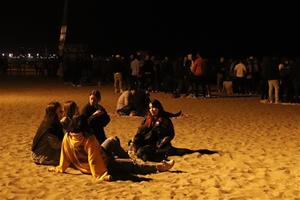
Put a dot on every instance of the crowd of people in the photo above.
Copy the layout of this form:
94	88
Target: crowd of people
70	137
275	79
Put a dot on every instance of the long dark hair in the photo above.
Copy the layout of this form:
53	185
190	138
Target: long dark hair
96	93
79	124
161	112
50	121
50	111
70	108
155	104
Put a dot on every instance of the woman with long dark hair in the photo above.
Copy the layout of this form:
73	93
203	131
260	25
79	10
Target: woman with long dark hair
153	138
70	109
47	141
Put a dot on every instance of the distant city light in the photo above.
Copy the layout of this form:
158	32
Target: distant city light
31	55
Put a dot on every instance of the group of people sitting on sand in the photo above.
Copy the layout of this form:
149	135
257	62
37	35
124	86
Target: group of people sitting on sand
67	137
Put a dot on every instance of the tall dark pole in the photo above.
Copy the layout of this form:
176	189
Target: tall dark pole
63	30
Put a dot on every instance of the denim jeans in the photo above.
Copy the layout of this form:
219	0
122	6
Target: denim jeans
120	162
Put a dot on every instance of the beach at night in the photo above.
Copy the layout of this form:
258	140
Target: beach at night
258	147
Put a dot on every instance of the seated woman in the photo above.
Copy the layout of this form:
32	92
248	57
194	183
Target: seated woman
85	153
47	141
152	141
96	115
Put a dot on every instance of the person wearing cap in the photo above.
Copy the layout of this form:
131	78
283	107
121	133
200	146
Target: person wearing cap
83	151
96	114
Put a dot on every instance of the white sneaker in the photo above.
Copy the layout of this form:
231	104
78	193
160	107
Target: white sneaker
165	165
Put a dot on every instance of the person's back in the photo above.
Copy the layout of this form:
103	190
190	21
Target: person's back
197	67
271	70
123	100
125	105
70	109
83	151
240	70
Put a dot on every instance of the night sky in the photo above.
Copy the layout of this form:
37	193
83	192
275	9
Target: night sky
169	27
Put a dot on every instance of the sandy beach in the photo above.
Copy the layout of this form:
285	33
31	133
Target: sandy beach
258	148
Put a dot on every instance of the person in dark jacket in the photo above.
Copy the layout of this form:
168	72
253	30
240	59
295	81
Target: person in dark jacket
152	141
296	79
97	116
272	75
47	141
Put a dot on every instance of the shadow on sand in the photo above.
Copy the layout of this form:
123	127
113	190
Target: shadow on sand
183	151
129	177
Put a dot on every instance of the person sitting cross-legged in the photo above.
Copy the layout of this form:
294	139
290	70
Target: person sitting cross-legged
152	142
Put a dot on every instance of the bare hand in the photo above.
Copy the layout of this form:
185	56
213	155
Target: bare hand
164	141
52	169
98	112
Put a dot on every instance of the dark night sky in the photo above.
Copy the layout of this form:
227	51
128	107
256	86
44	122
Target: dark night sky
162	27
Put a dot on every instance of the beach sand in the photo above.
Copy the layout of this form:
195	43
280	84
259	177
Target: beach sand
258	148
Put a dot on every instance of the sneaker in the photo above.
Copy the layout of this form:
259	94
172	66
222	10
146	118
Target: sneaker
165	165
